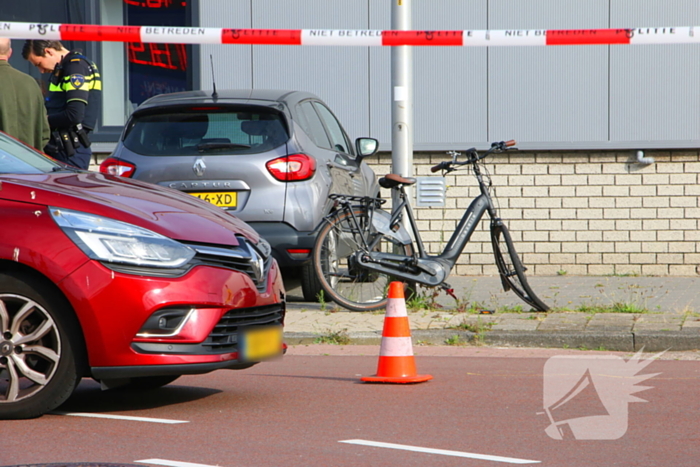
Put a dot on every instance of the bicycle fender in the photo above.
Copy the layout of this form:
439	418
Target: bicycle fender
381	221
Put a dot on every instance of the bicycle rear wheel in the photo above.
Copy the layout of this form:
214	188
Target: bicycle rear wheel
511	268
343	280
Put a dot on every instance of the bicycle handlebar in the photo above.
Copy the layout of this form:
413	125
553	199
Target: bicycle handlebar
495	147
441	166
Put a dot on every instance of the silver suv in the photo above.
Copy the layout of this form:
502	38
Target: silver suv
269	157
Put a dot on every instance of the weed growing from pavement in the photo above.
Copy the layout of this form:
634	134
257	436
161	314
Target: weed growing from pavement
623	274
617	307
537	316
427	301
454	340
477	327
421	301
321	300
334	337
511	309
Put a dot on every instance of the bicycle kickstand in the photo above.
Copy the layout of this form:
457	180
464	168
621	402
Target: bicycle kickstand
449	290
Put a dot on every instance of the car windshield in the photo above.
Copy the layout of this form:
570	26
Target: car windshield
207	129
18	158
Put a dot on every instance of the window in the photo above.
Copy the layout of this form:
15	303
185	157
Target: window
338	137
311	123
133	72
224	131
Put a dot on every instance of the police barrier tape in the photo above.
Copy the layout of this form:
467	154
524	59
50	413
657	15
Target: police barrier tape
348	37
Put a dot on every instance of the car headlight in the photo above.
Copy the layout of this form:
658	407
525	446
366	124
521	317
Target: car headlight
105	239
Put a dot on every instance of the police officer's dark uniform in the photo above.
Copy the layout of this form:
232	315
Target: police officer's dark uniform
73	104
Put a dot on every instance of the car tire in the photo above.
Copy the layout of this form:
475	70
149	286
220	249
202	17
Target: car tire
310	285
38	338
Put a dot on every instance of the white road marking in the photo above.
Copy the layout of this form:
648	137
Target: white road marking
172	463
120	417
442	452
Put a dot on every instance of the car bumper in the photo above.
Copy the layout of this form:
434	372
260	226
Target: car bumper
282	238
113	307
125	372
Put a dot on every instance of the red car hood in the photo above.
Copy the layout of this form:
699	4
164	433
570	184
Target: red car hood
168	212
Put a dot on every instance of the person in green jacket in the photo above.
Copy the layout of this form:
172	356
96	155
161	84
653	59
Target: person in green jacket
22	109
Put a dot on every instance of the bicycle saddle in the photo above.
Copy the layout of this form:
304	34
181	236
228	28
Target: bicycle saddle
392	180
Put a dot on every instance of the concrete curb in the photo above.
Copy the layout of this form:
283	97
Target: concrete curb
666	340
621	341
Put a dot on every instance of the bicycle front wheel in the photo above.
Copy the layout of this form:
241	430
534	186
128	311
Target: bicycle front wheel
343	280
511	268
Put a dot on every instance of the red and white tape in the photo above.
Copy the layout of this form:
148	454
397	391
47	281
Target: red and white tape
349	37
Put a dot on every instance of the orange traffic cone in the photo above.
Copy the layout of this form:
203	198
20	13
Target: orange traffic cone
396	362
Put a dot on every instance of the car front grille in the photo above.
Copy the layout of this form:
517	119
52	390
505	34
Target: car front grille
243	258
224	336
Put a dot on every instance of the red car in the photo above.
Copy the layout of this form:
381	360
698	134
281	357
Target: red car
125	282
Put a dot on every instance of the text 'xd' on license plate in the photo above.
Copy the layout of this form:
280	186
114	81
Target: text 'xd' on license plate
224	199
260	343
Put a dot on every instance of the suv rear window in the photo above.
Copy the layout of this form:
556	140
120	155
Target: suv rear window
210	130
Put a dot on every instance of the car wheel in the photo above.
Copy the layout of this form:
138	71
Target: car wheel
310	285
38	368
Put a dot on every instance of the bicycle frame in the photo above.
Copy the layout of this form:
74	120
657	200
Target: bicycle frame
360	248
430	270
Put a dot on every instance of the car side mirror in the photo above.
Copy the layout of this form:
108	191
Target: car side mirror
366	147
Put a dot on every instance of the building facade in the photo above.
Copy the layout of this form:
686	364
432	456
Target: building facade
581	198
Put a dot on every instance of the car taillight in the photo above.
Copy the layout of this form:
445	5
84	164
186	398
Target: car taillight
116	167
292	168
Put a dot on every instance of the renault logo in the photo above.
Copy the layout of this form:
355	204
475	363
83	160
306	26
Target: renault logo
258	267
199	167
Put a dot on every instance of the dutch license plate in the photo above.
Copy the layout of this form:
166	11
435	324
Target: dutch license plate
260	343
223	199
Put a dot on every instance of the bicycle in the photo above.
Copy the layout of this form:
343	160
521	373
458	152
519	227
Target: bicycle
361	248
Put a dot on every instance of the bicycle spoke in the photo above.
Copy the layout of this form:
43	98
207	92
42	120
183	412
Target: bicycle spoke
344	280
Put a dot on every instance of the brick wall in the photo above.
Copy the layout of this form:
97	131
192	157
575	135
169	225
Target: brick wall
580	213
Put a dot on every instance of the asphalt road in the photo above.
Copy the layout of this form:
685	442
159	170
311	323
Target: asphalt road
299	410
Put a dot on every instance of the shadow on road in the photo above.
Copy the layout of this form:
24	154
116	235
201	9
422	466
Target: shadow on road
89	397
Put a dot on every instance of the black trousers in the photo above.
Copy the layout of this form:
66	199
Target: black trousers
80	159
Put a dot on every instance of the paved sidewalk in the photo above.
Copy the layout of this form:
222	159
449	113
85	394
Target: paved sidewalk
665	314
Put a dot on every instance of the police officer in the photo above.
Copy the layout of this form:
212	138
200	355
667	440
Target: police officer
73	100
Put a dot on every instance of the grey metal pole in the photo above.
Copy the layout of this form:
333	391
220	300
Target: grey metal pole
402	93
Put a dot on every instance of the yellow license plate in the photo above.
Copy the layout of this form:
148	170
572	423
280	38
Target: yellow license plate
260	343
223	199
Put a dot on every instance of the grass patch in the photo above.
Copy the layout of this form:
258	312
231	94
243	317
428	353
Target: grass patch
454	340
476	327
617	307
421	301
334	338
623	274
